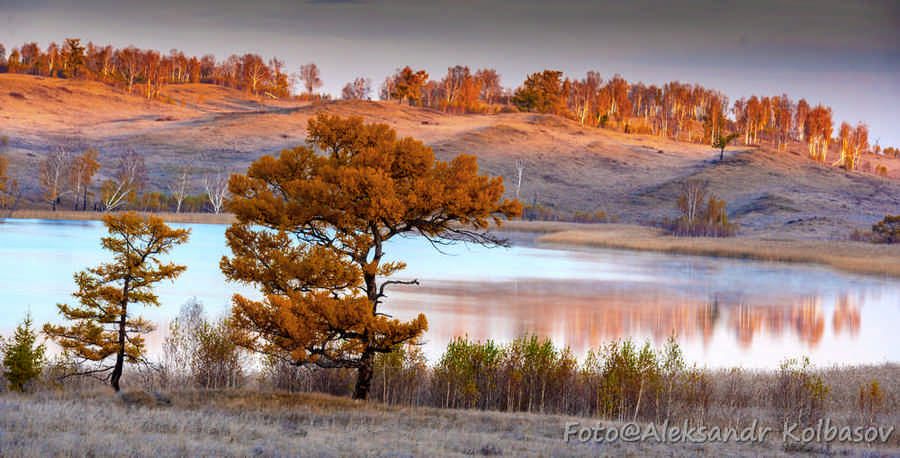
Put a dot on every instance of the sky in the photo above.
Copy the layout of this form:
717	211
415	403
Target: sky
842	53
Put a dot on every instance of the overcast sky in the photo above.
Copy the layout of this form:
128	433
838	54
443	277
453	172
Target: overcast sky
845	54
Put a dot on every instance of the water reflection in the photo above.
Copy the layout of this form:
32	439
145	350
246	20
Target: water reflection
724	312
585	315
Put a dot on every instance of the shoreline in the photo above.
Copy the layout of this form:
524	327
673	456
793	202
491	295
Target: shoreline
853	257
168	217
847	256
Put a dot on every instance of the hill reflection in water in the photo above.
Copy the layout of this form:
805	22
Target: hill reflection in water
755	330
724	312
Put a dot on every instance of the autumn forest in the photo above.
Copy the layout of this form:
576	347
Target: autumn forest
683	111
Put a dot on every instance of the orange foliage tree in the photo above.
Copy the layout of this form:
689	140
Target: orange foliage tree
105	327
81	172
817	129
407	85
311	234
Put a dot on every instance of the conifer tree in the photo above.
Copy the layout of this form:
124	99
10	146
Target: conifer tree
22	359
311	234
105	326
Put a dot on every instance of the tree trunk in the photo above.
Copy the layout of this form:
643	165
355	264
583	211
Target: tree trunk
120	356
364	375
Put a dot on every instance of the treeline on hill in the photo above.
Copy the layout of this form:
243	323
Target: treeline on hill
148	71
686	112
681	111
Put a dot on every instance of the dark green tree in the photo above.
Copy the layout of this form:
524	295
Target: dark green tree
22	359
722	142
541	92
74	53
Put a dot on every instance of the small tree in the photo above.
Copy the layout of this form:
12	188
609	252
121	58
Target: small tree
22	359
74	56
7	186
407	85
81	172
309	74
722	142
216	185
202	351
887	230
105	327
53	174
358	89
542	92
128	180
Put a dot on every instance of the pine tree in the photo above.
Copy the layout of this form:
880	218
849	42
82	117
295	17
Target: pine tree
105	327
22	359
312	232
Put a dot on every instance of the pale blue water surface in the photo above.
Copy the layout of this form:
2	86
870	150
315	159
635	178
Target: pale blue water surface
723	312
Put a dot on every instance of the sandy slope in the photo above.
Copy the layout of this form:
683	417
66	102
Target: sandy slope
568	167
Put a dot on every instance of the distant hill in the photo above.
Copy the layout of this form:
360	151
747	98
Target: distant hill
568	167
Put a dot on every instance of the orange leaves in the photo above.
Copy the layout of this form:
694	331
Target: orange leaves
312	230
103	324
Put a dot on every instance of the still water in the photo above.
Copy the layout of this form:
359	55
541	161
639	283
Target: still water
723	312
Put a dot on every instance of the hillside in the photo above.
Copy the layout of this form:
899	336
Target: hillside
568	167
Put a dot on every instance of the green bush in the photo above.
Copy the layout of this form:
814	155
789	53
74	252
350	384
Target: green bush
466	375
22	359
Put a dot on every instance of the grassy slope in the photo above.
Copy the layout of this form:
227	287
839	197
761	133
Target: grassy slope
567	167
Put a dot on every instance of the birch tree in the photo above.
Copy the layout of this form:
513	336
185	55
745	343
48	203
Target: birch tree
216	185
310	75
53	175
179	185
128	180
81	172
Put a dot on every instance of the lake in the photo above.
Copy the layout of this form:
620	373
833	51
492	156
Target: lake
724	312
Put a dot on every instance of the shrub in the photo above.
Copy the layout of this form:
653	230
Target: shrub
217	363
881	170
861	236
282	375
466	375
537	375
871	400
887	230
799	395
401	376
699	216
201	352
22	359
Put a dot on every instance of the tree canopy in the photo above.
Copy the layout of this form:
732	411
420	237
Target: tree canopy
311	232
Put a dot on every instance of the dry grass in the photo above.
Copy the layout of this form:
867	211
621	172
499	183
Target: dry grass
169	217
857	257
243	423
